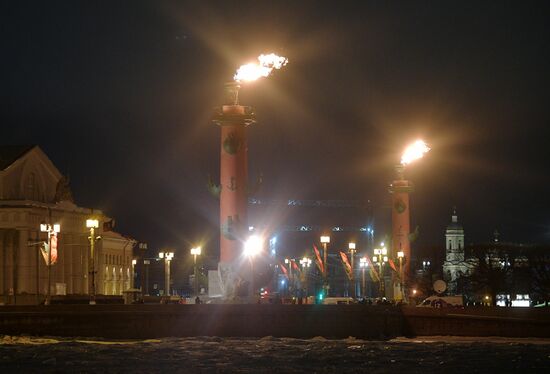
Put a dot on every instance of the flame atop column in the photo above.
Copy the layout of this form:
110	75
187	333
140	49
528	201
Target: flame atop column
414	151
262	68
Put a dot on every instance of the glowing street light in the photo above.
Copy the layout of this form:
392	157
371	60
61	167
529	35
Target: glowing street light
52	231
252	247
167	256
363	264
196	252
325	240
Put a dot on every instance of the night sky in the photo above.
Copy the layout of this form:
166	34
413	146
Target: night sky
120	96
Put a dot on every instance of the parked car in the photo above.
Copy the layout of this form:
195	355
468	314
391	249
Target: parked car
442	302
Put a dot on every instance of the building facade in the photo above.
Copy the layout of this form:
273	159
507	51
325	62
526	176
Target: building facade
456	265
34	192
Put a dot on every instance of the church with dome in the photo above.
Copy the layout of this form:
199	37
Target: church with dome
456	264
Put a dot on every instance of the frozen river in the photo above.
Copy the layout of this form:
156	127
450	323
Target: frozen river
242	355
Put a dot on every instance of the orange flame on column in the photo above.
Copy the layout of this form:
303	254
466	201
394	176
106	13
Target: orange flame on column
414	152
262	68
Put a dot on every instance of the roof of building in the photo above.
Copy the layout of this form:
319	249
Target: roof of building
454	225
11	153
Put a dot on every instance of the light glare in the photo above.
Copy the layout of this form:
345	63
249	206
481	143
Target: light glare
414	152
263	68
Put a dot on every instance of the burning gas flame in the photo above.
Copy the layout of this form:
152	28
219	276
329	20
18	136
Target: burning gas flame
262	68
414	152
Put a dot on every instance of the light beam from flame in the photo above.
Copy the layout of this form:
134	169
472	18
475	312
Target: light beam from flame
263	68
414	152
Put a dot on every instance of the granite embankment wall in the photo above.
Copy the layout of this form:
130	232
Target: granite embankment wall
299	321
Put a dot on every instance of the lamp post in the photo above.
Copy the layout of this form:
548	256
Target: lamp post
351	246
142	249
252	247
306	263
363	264
400	256
288	261
167	256
196	252
380	257
146	264
52	231
325	240
92	224
134	262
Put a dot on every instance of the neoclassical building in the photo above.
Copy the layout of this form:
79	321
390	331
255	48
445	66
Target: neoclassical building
456	264
34	192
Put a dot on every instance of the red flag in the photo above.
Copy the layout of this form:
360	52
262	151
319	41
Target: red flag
392	265
285	272
294	265
53	247
347	266
318	260
372	271
45	248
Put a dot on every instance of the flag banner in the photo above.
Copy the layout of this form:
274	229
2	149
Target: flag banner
392	265
45	249
372	271
296	268
53	247
318	260
347	266
285	272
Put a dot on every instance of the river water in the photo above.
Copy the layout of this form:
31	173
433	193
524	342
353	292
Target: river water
284	355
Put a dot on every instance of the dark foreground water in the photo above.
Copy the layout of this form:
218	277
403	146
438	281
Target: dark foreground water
241	355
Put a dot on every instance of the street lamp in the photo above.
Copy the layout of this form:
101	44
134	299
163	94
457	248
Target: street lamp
325	240
288	261
146	264
306	263
142	249
196	252
363	264
52	231
351	247
252	247
380	257
167	256
134	262
92	224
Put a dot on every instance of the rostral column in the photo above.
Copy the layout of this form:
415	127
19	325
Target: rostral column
400	214
233	120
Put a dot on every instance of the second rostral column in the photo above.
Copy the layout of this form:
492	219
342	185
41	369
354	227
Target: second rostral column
233	120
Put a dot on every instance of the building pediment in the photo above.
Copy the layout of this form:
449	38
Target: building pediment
32	176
